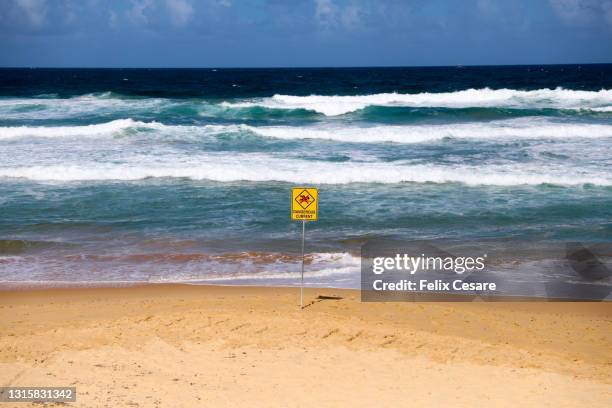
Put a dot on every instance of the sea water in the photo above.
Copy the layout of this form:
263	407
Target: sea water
110	176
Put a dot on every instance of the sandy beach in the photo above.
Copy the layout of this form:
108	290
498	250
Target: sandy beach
188	346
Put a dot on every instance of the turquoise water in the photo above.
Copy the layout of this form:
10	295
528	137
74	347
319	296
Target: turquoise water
101	181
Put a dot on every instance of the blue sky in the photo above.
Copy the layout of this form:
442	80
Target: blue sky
256	33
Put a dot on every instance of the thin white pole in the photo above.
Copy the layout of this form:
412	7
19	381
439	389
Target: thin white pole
302	282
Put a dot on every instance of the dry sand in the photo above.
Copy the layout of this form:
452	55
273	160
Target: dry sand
203	346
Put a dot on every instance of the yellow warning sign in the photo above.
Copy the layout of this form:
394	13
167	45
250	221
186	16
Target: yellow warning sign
304	203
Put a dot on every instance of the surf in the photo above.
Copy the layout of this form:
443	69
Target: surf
335	105
526	128
268	168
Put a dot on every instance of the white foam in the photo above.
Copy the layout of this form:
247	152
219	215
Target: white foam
322	273
106	103
9	258
264	167
71	131
324	265
78	106
511	98
512	128
112	128
515	128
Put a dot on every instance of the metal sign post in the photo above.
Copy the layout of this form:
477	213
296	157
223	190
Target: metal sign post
304	207
302	282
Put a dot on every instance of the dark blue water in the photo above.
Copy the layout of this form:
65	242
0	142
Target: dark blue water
185	175
247	83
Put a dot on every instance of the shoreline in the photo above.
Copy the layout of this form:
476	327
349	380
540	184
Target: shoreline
134	284
400	297
185	345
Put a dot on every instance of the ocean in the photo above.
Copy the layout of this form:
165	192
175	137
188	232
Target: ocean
114	176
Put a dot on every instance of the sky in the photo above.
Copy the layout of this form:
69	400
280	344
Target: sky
302	33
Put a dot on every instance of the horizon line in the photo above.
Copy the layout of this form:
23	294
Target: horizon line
307	67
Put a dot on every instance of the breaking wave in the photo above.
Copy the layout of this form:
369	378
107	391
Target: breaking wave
338	105
264	168
532	129
108	128
521	128
303	107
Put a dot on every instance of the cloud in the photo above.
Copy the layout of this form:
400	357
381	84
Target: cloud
513	17
139	13
39	17
113	19
329	16
351	16
583	11
153	13
325	12
181	12
35	11
607	9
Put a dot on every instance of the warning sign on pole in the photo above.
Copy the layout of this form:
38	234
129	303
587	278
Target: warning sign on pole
304	204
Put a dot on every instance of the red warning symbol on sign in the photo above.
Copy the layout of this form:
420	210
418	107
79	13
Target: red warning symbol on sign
304	203
304	199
